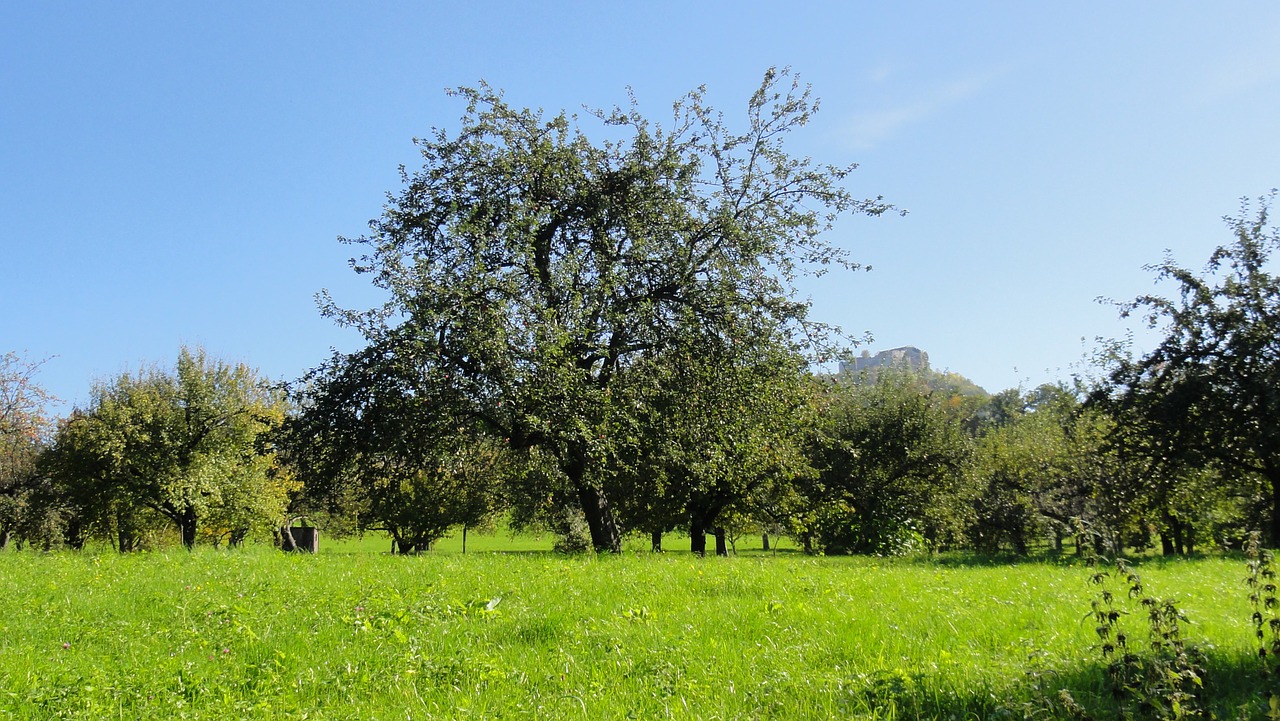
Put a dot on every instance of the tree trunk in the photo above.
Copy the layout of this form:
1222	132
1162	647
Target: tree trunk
698	537
187	526
287	543
1179	542
596	510
5	537
75	534
464	538
655	539
1020	541
722	549
1166	544
188	534
605	537
764	541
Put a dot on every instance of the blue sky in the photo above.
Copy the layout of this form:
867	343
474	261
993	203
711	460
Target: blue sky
178	173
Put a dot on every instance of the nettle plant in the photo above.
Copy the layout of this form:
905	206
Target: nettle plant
1266	617
1163	682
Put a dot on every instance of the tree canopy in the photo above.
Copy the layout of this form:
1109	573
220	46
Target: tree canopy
532	266
189	446
1209	394
24	429
890	460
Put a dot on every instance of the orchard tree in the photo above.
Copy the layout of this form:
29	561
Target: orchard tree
80	493
1161	484
534	265
1023	469
1209	394
192	446
891	463
24	429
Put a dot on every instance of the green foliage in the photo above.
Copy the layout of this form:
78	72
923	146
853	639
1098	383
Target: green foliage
1207	394
1032	468
891	464
711	430
1266	616
385	442
191	447
533	266
24	430
1188	499
1016	463
1162	683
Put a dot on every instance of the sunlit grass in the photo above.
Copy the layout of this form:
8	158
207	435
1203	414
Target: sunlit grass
257	633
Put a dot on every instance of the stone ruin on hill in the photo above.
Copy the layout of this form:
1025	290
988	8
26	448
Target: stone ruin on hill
905	357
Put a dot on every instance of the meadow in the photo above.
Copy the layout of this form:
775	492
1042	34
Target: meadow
352	633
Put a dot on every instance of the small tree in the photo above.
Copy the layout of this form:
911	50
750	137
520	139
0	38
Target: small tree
1023	472
891	461
189	446
24	429
715	425
387	435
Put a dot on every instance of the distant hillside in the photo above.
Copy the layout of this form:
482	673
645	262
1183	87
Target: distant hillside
866	368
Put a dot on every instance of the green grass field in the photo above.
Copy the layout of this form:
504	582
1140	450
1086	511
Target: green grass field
352	634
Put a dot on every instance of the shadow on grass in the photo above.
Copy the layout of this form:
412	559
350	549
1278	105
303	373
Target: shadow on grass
1233	688
969	559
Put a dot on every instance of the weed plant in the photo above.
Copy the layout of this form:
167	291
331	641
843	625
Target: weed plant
1266	619
1159	682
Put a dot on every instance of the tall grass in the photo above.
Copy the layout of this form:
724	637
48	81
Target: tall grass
256	634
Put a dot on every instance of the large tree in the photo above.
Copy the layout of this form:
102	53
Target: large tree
1209	394
534	265
190	445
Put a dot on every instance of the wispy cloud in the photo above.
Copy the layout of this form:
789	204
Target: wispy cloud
867	130
880	73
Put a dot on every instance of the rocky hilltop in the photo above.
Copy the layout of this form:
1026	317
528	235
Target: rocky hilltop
908	356
866	368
